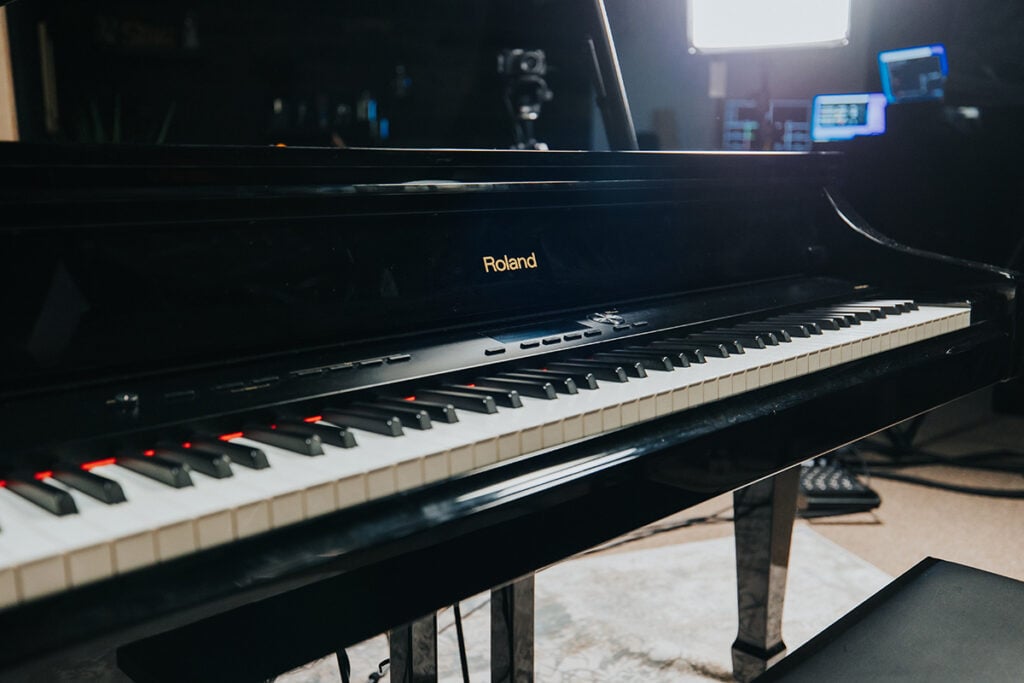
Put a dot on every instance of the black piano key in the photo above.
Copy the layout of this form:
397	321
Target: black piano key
329	434
52	499
536	388
632	368
877	311
710	349
782	333
217	465
652	361
816	324
736	343
606	371
507	398
439	411
810	326
357	418
460	399
301	442
891	308
240	454
693	352
583	379
102	489
563	384
840	316
678	359
779	334
411	416
159	469
861	314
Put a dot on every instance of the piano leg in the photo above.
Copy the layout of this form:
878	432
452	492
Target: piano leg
764	514
414	651
512	632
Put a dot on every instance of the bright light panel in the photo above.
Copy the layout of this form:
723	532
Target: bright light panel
717	25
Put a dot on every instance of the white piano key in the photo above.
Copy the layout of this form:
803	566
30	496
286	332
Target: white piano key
36	559
88	555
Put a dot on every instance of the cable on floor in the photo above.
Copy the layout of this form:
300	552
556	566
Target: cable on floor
462	643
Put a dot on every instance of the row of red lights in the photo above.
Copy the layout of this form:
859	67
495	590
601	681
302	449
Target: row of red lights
87	466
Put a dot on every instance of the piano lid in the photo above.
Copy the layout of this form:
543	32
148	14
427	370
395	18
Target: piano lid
142	260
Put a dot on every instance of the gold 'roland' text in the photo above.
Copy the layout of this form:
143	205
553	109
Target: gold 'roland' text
506	262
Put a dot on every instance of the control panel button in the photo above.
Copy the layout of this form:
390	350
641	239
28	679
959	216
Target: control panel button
572	337
592	333
183	395
399	358
548	341
529	344
305	372
494	350
619	328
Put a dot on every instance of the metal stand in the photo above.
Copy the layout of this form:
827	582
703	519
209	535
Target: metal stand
512	610
764	514
414	651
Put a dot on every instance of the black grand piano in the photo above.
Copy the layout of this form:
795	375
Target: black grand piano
261	404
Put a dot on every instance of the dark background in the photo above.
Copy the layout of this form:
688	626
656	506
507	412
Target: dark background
304	73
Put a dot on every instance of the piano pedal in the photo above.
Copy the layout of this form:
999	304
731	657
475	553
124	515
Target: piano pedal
828	487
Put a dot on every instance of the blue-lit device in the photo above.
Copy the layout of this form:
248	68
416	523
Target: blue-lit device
846	116
914	74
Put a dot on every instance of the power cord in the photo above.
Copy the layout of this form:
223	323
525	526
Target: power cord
462	642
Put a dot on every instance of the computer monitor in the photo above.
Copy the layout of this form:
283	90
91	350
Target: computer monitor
846	116
914	74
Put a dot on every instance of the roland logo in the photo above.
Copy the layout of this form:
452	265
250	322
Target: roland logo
506	262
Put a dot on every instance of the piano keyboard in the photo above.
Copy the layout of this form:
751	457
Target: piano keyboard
66	529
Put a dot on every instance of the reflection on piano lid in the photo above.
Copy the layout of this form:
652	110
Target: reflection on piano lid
234	373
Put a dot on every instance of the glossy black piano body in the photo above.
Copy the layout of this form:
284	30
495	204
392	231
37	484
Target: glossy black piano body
214	287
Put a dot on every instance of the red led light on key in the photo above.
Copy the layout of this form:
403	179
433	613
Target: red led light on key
98	463
470	385
409	398
2	483
150	453
273	426
187	444
232	435
314	418
44	475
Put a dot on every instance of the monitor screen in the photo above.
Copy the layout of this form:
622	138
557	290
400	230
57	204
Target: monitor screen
914	74
846	116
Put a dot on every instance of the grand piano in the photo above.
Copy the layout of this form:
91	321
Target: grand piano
261	404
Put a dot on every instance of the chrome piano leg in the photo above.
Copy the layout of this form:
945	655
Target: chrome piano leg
764	514
512	609
414	651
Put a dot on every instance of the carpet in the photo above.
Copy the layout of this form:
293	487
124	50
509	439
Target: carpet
659	614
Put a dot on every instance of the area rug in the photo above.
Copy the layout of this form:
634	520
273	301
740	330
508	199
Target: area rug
660	614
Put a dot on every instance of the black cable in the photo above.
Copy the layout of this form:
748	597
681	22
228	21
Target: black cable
462	643
344	666
381	672
972	490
